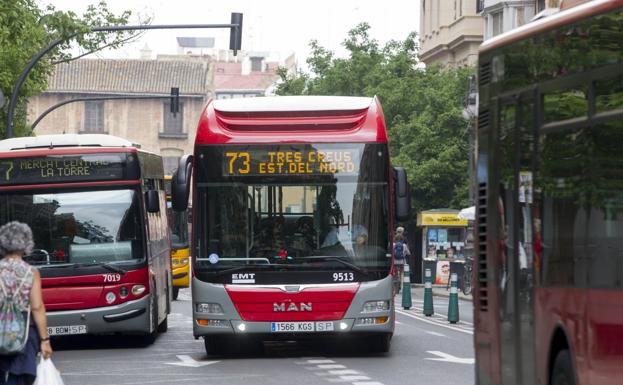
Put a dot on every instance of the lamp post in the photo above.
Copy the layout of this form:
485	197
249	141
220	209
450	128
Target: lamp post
234	44
470	113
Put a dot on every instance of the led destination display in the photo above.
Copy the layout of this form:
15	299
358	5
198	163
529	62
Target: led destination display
63	168
303	161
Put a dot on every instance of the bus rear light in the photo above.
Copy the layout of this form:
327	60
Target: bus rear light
372	320
374	306
210	308
138	289
110	297
123	292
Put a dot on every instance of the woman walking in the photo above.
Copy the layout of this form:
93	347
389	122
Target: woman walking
22	283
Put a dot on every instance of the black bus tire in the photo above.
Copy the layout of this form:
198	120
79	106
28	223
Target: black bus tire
176	292
380	343
562	372
164	325
216	345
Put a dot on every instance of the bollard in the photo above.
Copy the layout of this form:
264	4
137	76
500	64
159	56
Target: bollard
453	304
406	289
428	293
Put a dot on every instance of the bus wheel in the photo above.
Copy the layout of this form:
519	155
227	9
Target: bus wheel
215	345
176	292
380	343
562	374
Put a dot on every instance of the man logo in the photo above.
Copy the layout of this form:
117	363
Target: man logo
303	306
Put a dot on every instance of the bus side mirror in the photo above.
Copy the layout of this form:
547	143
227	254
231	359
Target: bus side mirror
151	199
402	194
180	184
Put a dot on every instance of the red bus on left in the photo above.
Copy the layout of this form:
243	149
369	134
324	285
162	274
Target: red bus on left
96	206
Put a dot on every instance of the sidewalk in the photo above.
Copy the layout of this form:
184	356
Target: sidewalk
438	291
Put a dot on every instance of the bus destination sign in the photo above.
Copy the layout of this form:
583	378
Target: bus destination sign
62	168
293	161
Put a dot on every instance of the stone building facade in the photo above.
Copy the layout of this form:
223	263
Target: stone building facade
148	122
450	32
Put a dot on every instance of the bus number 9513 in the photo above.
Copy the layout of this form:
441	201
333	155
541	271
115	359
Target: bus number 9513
343	277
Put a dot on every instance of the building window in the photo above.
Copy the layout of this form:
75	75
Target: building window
173	124
520	19
496	23
94	116
256	64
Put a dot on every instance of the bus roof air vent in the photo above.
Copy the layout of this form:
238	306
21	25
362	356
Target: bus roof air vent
314	113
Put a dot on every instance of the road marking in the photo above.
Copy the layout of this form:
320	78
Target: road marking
441	315
368	383
445	357
436	334
343	372
435	323
190	362
331	366
354	378
320	362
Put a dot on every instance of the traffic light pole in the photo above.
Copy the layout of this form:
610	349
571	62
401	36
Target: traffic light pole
235	40
96	98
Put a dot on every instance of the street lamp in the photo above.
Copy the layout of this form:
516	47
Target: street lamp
234	43
470	113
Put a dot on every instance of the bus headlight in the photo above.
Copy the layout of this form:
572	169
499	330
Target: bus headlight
374	306
184	261
175	262
209	308
138	289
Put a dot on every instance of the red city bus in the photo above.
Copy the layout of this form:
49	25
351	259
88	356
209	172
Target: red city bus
549	274
96	206
292	221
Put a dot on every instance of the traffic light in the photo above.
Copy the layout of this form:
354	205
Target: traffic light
235	33
175	100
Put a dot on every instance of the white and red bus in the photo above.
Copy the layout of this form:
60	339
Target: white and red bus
96	206
293	205
548	300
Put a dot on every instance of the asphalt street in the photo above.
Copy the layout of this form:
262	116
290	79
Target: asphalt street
425	350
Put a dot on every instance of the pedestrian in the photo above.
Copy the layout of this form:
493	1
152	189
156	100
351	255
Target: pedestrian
21	283
401	252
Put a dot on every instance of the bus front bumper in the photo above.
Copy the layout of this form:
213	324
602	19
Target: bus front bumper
181	276
129	317
355	321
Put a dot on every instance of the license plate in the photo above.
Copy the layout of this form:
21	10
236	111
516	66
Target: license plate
67	330
292	327
301	327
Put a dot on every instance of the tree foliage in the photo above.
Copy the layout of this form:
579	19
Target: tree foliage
26	28
422	106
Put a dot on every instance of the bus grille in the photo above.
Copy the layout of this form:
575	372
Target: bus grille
481	230
484	74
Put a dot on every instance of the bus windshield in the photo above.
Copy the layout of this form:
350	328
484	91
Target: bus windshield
310	217
76	228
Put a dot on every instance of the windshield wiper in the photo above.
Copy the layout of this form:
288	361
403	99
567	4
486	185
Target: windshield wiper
340	260
105	265
247	267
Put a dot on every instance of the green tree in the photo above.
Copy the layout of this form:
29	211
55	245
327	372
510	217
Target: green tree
26	27
422	106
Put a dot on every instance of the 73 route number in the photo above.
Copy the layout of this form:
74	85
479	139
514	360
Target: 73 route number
112	277
343	277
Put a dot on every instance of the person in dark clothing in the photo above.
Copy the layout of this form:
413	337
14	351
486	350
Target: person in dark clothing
22	283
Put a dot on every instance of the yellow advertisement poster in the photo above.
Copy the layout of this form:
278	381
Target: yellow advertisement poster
440	219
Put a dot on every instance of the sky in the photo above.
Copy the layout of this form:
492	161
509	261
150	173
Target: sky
280	26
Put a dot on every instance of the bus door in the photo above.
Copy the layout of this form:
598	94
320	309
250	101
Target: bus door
516	156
